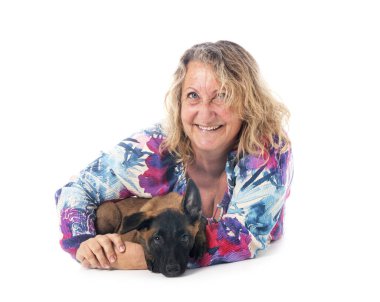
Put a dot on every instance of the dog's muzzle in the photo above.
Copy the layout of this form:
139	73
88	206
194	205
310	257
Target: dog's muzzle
172	270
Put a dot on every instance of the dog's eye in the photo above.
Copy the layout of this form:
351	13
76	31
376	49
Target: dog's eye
185	238
156	238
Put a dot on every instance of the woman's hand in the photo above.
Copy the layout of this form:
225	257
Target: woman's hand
100	251
109	251
132	258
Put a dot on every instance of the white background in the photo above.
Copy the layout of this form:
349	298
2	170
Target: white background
76	77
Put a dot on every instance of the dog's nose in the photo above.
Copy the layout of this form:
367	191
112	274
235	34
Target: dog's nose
172	269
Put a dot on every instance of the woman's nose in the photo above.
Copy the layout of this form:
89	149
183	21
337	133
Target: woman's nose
206	110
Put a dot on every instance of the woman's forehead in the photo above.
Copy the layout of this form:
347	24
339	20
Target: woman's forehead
201	75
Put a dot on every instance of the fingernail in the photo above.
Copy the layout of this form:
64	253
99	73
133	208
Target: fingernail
112	259
121	248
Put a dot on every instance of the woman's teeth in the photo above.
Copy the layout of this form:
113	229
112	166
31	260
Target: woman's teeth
208	128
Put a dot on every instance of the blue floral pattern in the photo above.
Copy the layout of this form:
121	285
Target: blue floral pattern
253	204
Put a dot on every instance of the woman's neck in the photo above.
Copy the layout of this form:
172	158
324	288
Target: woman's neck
209	165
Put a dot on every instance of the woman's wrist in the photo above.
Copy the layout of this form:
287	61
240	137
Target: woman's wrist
133	258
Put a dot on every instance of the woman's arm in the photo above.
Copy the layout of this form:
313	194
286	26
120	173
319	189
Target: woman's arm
78	200
114	175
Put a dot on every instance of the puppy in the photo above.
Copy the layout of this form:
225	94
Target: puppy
170	228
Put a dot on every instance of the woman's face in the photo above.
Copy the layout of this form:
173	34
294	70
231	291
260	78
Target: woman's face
210	124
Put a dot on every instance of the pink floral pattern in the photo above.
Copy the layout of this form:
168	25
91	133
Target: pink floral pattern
253	204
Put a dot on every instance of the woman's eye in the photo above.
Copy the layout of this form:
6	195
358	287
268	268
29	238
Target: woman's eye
192	95
221	95
220	98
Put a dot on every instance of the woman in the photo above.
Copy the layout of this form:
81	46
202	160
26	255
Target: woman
224	130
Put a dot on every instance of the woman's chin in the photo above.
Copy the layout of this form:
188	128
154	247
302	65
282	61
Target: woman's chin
209	146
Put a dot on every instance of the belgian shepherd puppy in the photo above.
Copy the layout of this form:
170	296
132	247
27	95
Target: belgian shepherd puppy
170	228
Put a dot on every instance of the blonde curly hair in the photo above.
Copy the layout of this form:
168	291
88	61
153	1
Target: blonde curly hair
238	73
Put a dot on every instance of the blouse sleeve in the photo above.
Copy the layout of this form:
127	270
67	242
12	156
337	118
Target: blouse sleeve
254	215
133	168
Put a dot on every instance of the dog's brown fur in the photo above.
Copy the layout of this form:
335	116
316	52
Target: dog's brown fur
116	216
110	214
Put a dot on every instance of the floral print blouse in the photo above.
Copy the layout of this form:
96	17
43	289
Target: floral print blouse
252	208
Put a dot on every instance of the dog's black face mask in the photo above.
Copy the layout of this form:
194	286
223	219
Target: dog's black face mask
169	238
170	243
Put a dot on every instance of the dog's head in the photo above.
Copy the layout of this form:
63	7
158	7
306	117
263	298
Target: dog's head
170	236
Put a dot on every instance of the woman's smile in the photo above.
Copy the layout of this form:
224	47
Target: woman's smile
208	128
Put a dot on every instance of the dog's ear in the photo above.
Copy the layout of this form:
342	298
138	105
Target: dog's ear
191	202
136	221
200	242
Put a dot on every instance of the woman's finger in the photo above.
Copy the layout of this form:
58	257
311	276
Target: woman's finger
108	247
97	253
79	255
118	243
88	253
85	263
